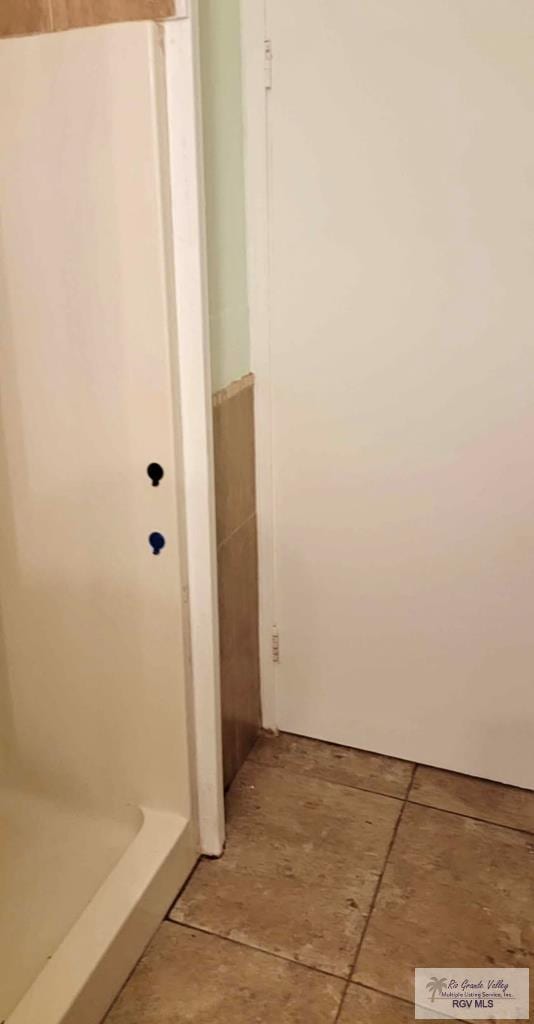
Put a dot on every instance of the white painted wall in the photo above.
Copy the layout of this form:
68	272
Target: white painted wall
220	61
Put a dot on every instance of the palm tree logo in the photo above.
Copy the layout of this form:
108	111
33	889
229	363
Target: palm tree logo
435	986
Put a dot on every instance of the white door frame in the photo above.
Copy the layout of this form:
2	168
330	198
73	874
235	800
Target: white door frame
256	72
192	364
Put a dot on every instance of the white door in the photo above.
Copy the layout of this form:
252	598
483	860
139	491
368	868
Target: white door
402	341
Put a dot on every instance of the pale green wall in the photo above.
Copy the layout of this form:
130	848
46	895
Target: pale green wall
220	55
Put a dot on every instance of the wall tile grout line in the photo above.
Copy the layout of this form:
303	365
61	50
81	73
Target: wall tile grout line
236	529
375	896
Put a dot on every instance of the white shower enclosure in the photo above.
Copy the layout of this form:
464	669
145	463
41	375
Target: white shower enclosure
97	819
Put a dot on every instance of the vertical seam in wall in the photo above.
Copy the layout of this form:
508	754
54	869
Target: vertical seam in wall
51	15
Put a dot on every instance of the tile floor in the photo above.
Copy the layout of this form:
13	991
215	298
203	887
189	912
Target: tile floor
343	870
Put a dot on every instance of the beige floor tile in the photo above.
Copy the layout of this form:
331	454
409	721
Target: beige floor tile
455	891
300	868
335	764
188	976
503	805
362	1006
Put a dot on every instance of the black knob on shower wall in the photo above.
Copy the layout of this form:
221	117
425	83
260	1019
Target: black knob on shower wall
157	542
155	472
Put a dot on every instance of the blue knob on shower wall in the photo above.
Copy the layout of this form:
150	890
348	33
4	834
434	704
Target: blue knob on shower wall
157	542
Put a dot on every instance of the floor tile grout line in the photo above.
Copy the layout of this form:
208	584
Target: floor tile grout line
296	963
382	873
347	981
411	782
405	800
375	896
257	949
401	999
321	778
400	799
472	817
381	992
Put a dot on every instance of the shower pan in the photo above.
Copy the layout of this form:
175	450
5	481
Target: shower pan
97	827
